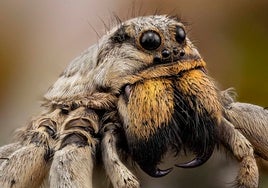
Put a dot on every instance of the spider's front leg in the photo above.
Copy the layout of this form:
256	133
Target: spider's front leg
241	148
72	164
118	173
26	162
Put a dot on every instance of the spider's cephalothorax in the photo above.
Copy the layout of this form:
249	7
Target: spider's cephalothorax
142	89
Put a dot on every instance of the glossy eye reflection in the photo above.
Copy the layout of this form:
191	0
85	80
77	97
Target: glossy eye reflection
150	40
180	34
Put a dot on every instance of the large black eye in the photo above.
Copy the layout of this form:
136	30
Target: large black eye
150	40
180	34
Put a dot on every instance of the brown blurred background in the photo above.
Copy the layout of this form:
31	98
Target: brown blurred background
39	38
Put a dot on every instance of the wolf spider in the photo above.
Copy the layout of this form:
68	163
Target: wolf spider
141	91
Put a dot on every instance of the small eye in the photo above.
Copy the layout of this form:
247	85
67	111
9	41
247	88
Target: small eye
150	40
180	34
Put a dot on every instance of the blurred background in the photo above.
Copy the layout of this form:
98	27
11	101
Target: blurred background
39	38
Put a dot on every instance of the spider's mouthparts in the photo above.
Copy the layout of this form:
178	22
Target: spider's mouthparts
155	172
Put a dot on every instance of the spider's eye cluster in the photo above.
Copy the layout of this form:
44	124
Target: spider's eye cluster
150	40
180	34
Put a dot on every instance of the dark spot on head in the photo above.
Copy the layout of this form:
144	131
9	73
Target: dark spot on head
120	35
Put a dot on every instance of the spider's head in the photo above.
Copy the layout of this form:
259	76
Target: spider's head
153	45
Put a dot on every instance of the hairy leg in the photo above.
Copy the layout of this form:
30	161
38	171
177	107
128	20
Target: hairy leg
118	173
72	165
26	167
241	148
